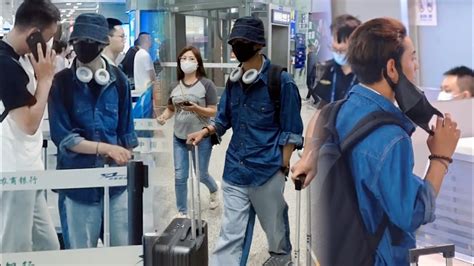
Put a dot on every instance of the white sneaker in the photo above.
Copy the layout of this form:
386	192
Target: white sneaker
214	197
180	215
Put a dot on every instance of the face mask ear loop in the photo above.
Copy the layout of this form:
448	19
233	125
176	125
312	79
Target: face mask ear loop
388	79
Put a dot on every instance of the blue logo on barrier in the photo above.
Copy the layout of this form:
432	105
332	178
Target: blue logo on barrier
114	176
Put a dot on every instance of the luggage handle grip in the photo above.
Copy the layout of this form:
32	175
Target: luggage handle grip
185	233
299	181
446	250
190	147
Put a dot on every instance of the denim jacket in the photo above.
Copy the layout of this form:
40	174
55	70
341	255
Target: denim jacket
382	167
89	118
255	150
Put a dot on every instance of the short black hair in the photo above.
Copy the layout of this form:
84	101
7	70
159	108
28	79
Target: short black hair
59	46
139	39
36	13
343	26
459	71
465	78
112	23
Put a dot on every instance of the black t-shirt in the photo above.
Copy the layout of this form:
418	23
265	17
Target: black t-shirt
13	80
343	83
324	87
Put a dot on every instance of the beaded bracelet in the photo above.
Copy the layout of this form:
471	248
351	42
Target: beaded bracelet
440	157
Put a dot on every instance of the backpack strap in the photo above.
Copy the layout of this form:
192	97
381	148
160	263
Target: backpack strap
121	82
5	112
363	128
274	88
67	90
328	115
366	125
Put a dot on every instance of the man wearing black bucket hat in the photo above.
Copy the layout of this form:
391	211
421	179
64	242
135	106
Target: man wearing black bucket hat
264	136
90	121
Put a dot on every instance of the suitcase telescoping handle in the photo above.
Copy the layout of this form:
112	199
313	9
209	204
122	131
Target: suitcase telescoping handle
298	186
446	250
45	153
194	175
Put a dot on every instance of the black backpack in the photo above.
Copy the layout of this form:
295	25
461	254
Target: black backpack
341	237
128	62
274	87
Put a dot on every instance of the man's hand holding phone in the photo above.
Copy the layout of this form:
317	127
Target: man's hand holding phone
43	64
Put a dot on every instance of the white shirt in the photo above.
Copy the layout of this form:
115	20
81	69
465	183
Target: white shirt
20	151
109	60
61	63
141	66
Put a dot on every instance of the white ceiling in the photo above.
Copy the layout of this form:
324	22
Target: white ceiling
69	9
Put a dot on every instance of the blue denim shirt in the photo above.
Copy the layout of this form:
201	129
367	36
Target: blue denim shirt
89	118
382	166
254	154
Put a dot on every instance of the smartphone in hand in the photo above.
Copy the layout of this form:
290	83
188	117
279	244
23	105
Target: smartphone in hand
33	40
187	103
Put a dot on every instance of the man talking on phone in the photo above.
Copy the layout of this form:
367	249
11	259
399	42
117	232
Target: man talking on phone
26	224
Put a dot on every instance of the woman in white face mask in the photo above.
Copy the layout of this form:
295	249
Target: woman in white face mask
192	102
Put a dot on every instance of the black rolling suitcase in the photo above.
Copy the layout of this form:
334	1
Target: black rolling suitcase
183	242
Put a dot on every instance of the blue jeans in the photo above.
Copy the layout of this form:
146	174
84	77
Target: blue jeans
241	204
84	221
181	168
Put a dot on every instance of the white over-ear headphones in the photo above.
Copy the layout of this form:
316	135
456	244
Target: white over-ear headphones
101	76
248	77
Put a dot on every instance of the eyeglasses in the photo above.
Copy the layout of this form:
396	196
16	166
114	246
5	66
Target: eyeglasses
184	58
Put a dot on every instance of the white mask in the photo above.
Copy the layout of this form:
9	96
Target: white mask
188	67
445	96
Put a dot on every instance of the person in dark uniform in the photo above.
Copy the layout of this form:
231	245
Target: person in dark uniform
311	69
337	78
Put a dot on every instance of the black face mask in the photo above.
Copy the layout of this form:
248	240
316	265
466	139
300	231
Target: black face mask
86	52
243	51
412	101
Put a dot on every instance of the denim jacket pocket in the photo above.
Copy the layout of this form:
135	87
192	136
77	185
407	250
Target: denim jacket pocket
84	115
261	114
111	116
